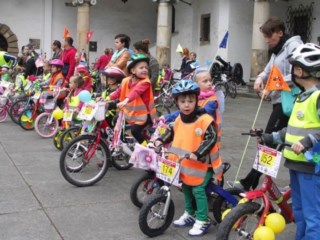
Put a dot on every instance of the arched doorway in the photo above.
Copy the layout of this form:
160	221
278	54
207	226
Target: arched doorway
8	40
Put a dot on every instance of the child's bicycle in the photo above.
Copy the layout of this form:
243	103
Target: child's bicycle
157	212
6	100
28	116
45	124
242	221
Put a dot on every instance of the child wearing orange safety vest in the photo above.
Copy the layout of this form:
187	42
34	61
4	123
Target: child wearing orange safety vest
194	132
136	97
57	79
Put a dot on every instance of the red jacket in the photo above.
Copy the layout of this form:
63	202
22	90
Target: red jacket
103	61
68	58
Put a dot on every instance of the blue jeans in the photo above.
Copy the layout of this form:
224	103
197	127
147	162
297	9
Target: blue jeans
306	204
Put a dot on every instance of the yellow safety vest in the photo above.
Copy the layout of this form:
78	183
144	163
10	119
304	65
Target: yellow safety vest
304	120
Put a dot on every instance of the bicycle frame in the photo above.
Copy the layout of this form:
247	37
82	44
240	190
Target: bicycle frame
269	187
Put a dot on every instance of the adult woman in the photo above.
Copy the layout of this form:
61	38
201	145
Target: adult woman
121	56
281	45
143	47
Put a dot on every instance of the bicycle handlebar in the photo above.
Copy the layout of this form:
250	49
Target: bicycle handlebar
257	132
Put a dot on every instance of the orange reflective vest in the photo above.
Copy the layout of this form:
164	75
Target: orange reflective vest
136	112
187	139
202	103
54	79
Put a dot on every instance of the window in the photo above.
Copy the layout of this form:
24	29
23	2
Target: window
205	29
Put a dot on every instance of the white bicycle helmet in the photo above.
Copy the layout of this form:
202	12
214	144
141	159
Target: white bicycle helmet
307	56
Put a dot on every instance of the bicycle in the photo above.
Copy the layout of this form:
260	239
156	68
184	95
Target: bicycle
244	219
6	100
159	208
45	125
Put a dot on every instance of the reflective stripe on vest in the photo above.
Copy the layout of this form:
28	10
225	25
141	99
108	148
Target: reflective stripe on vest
187	139
202	103
136	112
303	121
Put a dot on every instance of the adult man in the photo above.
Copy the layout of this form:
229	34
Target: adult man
30	58
56	48
68	58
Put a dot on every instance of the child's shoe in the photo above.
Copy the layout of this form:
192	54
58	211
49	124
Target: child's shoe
184	221
199	228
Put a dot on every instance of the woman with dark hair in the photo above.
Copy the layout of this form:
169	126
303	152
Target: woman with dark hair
121	56
281	45
143	47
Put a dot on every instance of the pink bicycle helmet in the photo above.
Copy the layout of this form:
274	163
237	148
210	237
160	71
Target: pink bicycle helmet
81	69
56	62
114	72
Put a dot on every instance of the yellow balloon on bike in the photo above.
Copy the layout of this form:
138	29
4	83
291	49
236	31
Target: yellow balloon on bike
276	222
57	114
263	233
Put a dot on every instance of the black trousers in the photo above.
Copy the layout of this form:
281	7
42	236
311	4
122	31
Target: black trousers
276	122
137	130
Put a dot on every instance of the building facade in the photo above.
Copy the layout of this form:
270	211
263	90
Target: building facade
199	26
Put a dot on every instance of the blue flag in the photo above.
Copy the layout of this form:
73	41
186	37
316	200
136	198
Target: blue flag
224	41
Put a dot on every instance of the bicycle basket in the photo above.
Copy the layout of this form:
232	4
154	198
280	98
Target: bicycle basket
49	104
144	158
100	113
3	100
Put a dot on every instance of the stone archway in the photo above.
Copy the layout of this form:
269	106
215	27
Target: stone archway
8	40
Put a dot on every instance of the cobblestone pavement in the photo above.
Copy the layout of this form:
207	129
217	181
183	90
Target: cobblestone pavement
36	203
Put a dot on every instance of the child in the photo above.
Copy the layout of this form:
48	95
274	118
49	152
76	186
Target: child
111	77
136	97
194	132
303	132
6	73
82	71
207	99
73	101
57	79
46	71
191	64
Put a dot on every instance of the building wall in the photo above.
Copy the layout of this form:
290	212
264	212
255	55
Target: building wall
46	19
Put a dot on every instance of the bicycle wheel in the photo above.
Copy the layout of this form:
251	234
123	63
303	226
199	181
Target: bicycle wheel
3	114
45	128
165	95
144	187
162	109
221	86
121	161
240	222
25	119
220	204
232	89
152	222
68	135
57	139
16	109
75	166
237	73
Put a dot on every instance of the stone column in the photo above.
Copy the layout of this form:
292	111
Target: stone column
83	17
259	57
164	32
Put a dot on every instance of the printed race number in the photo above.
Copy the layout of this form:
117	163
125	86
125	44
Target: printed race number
168	171
267	161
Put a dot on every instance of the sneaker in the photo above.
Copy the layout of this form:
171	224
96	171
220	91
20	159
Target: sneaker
236	184
199	228
184	221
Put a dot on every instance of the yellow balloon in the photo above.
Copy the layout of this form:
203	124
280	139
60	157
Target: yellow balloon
57	114
263	233
276	222
225	213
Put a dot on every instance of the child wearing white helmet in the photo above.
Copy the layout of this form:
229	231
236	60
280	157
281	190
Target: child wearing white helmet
303	133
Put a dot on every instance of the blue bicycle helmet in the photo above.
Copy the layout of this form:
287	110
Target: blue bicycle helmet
185	87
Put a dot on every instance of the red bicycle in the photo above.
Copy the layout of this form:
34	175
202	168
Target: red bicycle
245	218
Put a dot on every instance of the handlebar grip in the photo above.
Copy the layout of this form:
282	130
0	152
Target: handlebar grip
187	155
